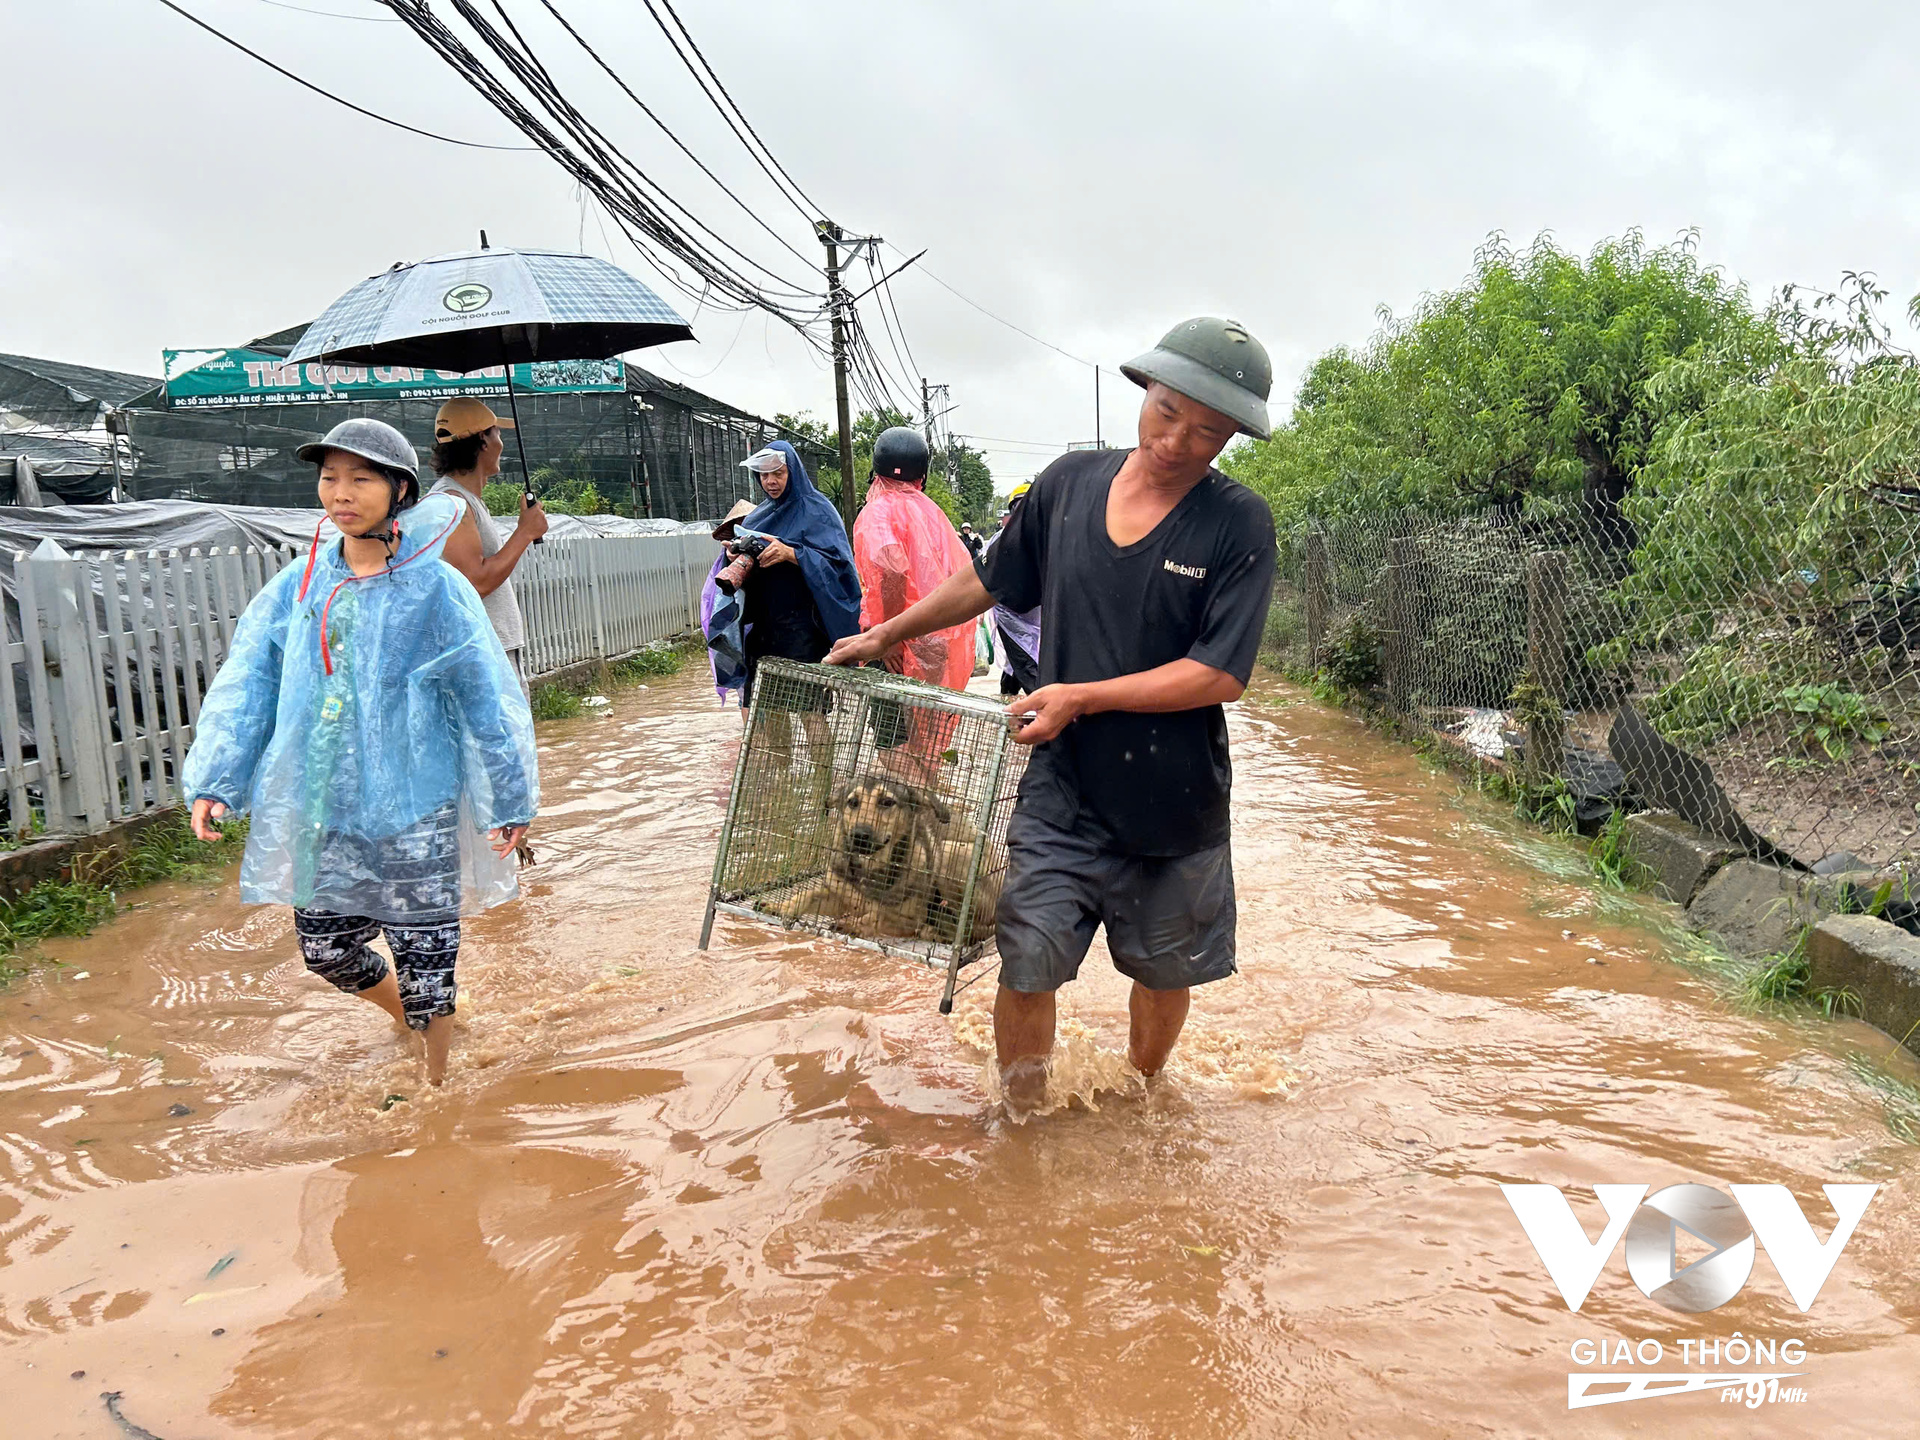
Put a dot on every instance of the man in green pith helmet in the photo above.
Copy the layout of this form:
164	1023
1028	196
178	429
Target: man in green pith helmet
1154	571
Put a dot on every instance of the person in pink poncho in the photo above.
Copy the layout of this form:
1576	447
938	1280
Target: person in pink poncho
904	547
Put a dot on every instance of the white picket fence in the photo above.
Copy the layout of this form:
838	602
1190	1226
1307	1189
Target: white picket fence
598	598
118	648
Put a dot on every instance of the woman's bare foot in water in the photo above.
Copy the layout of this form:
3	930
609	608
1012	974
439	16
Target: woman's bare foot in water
439	1038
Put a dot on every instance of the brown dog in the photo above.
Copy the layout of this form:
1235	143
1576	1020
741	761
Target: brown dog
898	866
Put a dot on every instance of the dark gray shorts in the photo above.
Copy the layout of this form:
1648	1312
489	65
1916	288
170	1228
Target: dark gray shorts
1170	921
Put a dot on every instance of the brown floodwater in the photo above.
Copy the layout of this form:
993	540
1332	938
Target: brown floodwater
766	1190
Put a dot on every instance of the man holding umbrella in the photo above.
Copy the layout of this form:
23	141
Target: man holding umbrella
466	454
471	311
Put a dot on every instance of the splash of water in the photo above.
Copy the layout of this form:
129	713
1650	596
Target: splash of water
1089	1068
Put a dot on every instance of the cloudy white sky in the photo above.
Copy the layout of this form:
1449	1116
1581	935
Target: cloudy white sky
1092	172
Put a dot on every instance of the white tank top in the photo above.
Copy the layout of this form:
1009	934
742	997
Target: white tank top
502	609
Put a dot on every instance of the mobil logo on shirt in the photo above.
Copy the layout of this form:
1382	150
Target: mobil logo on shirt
1192	572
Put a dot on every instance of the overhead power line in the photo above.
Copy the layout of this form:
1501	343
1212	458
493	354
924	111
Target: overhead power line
330	14
1038	444
679	144
668	233
1000	319
810	207
320	90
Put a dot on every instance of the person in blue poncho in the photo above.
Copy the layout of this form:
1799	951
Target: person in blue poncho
370	721
793	599
796	596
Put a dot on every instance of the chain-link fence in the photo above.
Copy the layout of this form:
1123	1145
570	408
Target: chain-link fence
1758	677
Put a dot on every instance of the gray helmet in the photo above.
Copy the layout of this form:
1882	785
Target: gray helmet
379	442
373	440
1215	362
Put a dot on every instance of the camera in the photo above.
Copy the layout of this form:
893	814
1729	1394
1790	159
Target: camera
745	548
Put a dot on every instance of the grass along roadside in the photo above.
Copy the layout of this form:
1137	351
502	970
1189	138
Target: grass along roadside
565	700
90	893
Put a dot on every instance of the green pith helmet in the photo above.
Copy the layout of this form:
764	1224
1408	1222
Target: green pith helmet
1215	362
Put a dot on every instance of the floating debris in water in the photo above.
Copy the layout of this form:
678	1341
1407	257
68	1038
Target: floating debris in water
127	1427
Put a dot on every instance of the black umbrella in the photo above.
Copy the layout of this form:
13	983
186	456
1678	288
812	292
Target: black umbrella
492	307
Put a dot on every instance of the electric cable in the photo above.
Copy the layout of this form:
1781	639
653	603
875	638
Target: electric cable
321	90
331	14
663	230
532	72
818	210
684	149
999	320
897	340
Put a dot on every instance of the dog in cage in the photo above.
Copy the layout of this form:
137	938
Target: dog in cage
898	863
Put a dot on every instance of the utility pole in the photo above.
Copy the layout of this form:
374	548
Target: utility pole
1098	443
931	395
837	306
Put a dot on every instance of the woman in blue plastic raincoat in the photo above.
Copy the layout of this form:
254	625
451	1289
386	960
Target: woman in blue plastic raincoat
370	721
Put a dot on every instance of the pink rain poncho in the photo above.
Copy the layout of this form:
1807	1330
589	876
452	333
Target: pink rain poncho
904	547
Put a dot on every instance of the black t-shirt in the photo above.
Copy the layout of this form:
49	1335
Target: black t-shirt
781	617
1196	587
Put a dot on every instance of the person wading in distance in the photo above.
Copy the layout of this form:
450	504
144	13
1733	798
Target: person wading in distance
466	455
1154	571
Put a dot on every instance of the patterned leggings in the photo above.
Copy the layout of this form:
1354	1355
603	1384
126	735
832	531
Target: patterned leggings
335	949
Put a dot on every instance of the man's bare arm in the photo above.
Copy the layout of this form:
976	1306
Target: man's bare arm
487	573
959	599
1177	685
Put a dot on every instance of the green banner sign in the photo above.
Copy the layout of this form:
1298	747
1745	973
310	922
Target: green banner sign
203	379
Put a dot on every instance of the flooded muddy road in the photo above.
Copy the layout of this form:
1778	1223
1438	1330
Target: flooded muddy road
764	1191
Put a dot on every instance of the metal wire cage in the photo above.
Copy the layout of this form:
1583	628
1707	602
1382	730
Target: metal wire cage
872	808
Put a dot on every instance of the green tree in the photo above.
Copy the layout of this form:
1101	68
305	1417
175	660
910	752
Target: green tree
565	487
1780	477
972	480
1532	378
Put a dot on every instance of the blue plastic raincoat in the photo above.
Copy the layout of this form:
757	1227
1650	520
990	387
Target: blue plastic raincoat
374	771
808	522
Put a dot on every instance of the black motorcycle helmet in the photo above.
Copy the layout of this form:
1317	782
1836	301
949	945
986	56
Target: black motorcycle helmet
900	454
